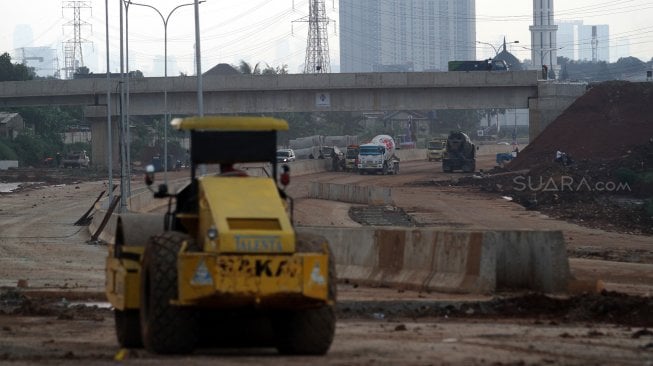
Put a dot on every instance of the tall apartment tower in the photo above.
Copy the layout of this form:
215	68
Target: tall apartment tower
405	35
594	43
543	35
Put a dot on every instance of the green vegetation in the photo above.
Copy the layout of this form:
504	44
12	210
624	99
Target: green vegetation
626	175
648	206
44	125
42	137
14	72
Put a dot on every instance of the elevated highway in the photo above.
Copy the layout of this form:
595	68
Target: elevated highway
363	92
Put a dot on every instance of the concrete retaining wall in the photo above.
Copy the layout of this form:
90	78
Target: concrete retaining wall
108	233
450	261
411	154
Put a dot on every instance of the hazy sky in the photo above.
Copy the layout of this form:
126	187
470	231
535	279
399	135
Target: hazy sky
264	31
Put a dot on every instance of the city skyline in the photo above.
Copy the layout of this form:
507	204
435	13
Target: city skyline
387	36
263	31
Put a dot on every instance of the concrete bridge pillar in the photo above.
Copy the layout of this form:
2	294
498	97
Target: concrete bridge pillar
553	98
100	143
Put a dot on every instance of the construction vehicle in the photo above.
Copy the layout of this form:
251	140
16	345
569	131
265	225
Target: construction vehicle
459	154
223	264
351	158
435	149
76	159
378	156
336	156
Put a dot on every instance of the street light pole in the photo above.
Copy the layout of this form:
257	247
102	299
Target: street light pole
109	135
198	61
165	78
491	45
497	50
544	52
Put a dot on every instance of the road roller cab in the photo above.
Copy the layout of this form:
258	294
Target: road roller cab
225	244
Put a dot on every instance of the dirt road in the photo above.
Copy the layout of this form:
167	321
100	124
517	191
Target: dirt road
39	245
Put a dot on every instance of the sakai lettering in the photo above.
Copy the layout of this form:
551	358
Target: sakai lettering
258	244
264	268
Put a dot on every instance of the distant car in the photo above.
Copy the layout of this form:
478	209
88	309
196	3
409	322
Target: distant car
285	155
502	143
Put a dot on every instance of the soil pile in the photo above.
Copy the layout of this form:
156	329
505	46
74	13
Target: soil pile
604	124
608	132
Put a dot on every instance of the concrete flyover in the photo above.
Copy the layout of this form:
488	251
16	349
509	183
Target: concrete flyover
287	93
226	94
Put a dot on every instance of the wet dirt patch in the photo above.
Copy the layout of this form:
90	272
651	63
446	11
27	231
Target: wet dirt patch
606	307
381	216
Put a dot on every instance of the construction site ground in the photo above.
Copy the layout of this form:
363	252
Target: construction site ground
52	308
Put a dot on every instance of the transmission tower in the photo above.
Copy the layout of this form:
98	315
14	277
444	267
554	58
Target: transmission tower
317	45
72	48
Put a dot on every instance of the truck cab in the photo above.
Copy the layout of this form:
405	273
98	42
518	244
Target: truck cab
378	156
351	158
76	159
435	149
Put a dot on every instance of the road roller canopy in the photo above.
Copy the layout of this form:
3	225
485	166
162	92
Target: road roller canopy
218	140
230	123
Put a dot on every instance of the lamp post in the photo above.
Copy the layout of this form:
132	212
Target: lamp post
543	53
496	53
165	76
109	137
497	50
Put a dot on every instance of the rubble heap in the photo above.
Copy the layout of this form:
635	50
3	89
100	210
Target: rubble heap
605	124
608	132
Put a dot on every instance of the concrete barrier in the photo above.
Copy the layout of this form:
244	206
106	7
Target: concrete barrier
450	261
351	193
108	233
6	164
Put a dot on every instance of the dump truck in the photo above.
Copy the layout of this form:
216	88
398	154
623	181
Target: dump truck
351	158
224	265
76	159
459	154
378	156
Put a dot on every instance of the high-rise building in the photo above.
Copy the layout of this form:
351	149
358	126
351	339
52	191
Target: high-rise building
42	59
405	35
594	43
544	49
567	37
578	41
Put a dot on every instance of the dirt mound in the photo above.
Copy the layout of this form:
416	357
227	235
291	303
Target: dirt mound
604	124
608	132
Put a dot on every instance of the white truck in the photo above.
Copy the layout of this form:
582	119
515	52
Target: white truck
76	159
378	156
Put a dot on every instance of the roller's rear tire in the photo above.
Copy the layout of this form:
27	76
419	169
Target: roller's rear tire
311	331
166	329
